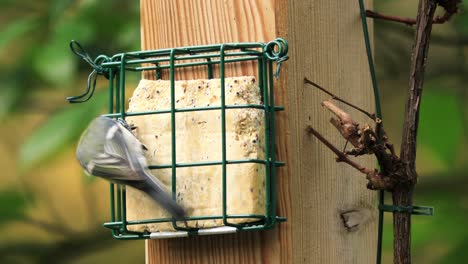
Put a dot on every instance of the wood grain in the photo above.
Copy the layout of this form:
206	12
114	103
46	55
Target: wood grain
326	45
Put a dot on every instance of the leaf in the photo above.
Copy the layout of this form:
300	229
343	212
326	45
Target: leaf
12	206
459	254
57	8
440	127
59	130
129	36
16	29
445	228
9	94
461	19
54	62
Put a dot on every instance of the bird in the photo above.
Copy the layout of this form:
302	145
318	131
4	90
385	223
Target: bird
108	149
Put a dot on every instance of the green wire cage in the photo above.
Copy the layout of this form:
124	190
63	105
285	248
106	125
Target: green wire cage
211	59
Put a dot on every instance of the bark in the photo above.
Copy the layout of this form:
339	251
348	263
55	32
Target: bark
403	192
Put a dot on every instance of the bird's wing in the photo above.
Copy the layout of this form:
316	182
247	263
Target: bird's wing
110	167
114	164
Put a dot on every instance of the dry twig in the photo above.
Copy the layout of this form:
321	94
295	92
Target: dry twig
365	141
450	7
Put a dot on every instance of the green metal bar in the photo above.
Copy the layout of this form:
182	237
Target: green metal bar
264	87
158	71
119	203
414	210
205	163
378	109
248	55
131	237
124	209
183	56
122	87
122	115
111	185
193	109
261	82
112	202
117	109
173	135
173	130
209	68
272	168
222	73
117	97
223	133
181	110
190	233
192	218
188	64
193	49
111	92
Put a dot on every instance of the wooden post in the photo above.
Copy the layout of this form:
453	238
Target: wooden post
326	45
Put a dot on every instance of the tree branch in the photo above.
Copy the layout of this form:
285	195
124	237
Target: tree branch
450	6
376	180
416	81
402	195
404	20
436	39
341	157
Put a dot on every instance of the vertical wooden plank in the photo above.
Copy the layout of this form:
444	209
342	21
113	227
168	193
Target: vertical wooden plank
328	48
326	45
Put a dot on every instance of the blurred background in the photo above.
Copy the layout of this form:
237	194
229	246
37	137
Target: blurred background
50	212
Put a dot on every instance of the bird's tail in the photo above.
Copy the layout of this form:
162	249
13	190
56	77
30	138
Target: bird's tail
155	189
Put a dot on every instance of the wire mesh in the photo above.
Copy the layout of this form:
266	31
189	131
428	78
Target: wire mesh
166	62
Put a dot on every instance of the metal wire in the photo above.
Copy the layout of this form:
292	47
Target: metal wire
378	110
79	51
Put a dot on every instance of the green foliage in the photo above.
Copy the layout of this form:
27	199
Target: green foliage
446	205
13	205
39	36
441	120
37	72
460	252
61	129
54	62
9	95
16	29
461	19
47	62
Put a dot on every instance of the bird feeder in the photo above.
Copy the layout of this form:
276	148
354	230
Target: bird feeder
223	96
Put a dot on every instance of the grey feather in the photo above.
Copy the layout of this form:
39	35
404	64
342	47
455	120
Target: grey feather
109	150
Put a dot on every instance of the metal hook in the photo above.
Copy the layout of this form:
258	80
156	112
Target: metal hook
90	87
278	55
79	51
